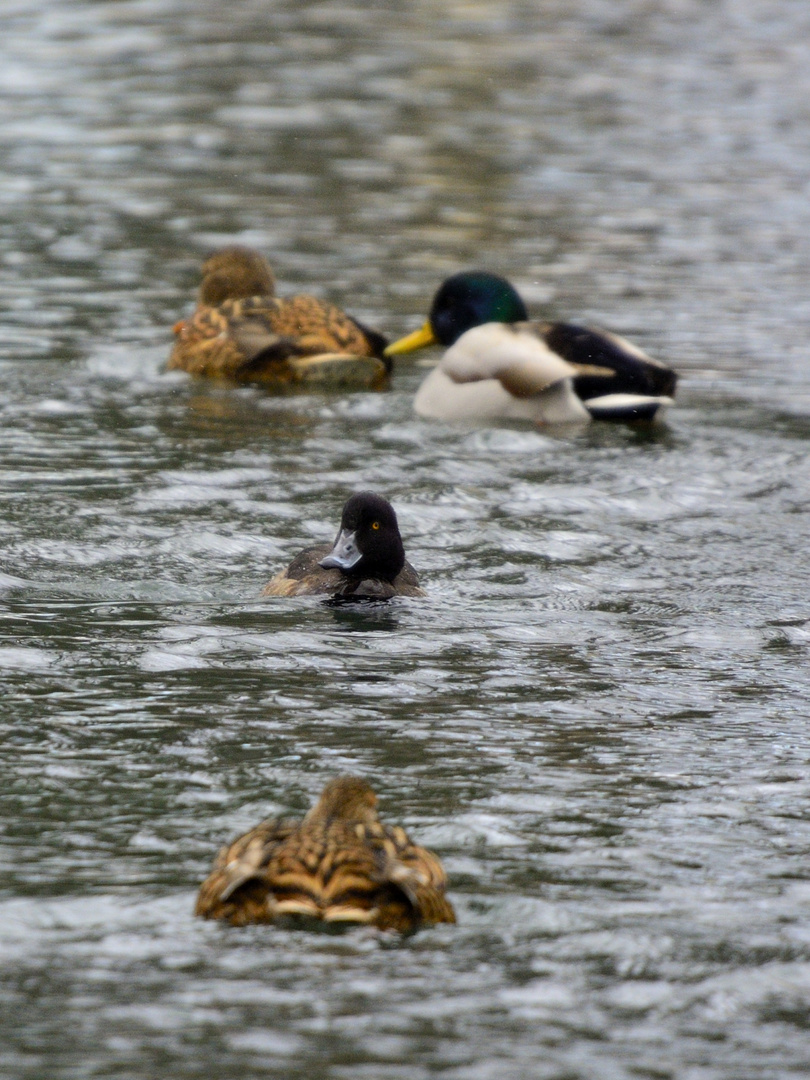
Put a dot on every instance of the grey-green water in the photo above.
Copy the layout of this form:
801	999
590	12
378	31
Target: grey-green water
599	718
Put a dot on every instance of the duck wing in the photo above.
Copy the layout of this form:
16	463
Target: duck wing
321	327
229	340
305	576
419	874
514	354
234	889
607	363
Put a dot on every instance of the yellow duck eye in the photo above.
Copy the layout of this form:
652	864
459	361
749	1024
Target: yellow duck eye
375	525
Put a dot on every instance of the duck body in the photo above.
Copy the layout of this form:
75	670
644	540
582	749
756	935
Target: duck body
499	365
305	576
366	562
500	371
340	864
242	332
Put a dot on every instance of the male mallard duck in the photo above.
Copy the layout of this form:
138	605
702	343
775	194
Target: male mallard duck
241	331
366	562
340	864
499	365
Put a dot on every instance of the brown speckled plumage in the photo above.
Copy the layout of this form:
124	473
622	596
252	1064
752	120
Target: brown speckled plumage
245	337
340	864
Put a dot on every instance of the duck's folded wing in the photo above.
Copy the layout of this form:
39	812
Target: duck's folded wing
513	353
231	341
238	863
419	874
606	363
305	576
269	355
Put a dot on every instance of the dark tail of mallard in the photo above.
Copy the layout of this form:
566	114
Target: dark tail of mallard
610	364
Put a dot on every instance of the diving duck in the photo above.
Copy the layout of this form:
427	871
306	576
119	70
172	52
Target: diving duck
366	562
498	365
242	332
340	864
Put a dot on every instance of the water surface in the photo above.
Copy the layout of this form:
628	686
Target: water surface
598	718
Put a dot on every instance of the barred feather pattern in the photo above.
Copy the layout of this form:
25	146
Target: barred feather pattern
340	864
254	339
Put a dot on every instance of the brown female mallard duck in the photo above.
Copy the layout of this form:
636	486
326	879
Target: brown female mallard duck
340	864
366	562
242	332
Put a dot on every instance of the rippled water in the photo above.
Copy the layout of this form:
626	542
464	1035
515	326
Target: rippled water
599	718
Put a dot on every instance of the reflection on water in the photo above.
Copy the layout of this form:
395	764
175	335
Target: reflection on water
597	717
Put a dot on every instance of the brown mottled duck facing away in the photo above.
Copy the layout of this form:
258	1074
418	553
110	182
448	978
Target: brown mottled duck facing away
242	332
340	864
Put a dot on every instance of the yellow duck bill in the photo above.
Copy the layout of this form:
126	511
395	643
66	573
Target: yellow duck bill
417	340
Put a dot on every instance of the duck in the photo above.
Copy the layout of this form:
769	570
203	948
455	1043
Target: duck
499	365
241	331
366	562
340	864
